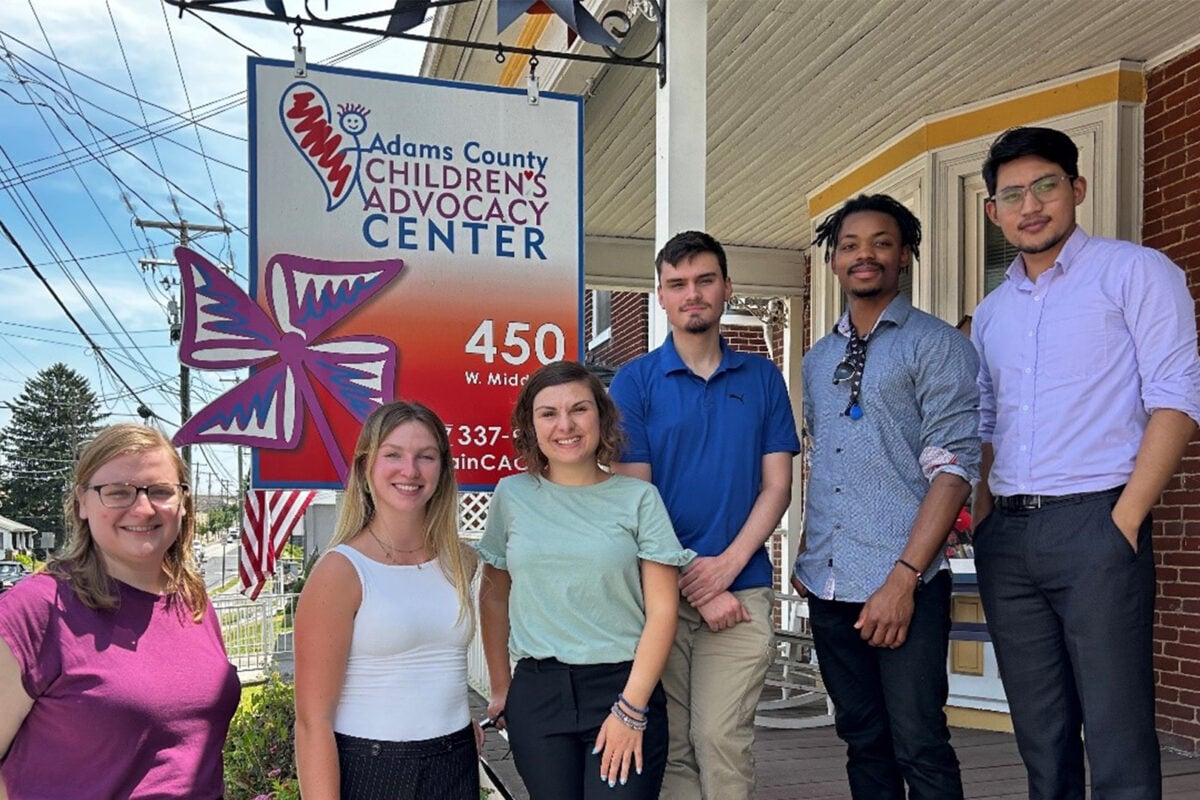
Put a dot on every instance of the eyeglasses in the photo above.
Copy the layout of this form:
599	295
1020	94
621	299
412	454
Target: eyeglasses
850	368
124	495
1043	189
844	371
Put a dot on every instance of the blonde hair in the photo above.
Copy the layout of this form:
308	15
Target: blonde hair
441	512
80	564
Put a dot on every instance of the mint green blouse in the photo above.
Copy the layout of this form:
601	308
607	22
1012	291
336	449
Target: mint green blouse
573	555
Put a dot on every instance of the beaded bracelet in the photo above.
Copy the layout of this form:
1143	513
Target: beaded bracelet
623	701
632	722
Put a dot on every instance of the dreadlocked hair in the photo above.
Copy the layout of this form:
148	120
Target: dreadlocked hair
910	227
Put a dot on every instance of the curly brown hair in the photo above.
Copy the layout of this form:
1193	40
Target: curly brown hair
612	439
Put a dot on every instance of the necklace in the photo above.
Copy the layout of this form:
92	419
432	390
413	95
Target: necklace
390	551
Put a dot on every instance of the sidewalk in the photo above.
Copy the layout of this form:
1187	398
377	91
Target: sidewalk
810	764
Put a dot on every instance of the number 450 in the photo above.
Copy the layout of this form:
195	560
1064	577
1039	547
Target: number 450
547	342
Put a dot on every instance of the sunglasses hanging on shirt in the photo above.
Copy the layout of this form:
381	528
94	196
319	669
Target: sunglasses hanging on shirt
850	369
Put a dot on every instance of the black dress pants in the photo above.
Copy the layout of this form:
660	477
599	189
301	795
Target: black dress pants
1070	608
442	768
889	704
554	713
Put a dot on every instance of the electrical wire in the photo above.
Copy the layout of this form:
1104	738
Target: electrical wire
99	353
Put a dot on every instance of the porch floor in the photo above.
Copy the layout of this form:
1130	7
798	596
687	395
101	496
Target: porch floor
810	764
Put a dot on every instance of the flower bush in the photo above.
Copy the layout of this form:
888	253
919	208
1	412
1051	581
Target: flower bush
260	751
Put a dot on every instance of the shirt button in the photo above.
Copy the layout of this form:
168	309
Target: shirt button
1037	297
1029	333
837	490
838	450
1023	448
1028	370
1025	408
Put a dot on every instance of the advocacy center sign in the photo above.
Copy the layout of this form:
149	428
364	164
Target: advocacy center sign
437	229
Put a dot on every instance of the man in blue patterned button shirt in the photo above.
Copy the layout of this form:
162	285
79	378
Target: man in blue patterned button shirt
891	417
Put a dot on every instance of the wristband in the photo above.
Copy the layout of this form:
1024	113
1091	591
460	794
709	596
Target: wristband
903	563
630	706
626	719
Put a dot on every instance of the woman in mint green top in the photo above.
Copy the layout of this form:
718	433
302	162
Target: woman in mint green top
580	590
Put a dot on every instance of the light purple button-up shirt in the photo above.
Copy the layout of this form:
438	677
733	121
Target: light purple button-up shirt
1072	365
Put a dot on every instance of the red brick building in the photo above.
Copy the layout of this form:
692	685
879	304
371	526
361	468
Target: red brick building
811	103
1171	202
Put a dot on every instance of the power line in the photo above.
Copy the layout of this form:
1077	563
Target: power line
95	345
188	98
66	272
142	108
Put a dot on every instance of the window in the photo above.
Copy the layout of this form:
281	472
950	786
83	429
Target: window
998	254
601	317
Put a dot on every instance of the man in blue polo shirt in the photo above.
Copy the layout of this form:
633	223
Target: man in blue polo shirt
713	430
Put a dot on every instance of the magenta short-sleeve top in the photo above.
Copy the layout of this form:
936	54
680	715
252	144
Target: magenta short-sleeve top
131	703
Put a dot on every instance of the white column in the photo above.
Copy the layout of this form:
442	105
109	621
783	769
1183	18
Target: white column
681	147
793	521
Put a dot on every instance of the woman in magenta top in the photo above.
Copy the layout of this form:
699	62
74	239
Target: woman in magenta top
113	677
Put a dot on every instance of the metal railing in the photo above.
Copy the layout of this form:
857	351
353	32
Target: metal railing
257	633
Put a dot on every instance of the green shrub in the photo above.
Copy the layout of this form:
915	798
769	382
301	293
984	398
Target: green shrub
260	752
28	561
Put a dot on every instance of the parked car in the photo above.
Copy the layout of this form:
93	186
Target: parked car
10	573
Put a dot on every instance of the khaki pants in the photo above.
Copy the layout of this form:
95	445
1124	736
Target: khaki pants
713	682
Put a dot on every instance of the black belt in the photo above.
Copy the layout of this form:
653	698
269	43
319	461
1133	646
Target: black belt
1032	502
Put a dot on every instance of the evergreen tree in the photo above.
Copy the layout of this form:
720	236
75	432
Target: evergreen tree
54	415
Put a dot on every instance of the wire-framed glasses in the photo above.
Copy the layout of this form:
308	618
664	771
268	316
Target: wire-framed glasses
1043	189
124	495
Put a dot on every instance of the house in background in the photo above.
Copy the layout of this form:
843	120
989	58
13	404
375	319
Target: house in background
810	103
17	536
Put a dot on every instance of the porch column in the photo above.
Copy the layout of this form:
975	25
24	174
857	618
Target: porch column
681	147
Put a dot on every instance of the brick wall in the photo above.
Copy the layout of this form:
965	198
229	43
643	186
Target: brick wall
629	323
747	339
1172	225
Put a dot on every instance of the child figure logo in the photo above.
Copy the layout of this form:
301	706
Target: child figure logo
306	115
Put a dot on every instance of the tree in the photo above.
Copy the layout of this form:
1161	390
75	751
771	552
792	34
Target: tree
54	415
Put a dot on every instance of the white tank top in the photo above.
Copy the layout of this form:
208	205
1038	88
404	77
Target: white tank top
406	678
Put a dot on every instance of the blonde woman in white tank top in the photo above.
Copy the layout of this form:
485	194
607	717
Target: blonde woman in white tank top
382	628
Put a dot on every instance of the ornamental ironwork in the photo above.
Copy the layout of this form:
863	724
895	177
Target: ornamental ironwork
396	19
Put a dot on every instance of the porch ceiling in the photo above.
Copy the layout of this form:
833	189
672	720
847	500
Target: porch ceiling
801	89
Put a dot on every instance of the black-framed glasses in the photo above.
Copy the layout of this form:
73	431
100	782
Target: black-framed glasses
1043	189
124	495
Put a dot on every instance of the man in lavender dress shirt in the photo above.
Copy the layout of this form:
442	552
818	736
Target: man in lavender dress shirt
1089	391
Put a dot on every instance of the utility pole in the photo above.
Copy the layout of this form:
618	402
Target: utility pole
183	228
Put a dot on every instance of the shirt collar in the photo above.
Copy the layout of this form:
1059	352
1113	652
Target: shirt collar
896	314
671	362
1066	257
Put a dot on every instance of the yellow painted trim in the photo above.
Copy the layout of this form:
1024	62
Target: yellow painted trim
979	719
517	64
1119	85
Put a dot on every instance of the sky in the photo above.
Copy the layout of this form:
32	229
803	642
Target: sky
116	109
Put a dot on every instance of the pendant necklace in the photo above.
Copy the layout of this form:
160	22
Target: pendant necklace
390	551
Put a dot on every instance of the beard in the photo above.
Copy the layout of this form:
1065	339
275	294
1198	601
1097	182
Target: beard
1042	247
697	325
873	291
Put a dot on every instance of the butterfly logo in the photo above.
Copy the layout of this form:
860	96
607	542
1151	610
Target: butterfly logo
223	328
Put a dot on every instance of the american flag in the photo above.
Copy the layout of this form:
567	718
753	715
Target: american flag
269	518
